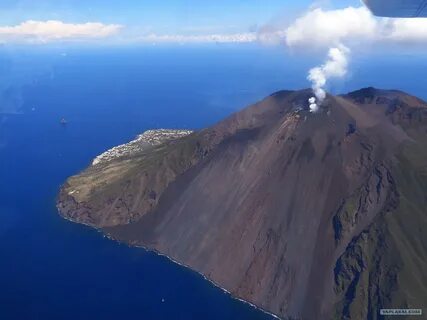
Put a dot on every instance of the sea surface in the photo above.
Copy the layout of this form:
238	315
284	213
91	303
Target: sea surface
54	269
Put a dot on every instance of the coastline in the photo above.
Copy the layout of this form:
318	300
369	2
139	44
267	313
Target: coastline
111	238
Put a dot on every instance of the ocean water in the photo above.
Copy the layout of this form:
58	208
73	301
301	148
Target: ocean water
54	269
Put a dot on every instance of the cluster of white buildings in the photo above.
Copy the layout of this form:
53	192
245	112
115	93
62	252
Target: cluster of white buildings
148	138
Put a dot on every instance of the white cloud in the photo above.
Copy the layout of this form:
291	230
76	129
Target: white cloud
326	28
319	28
408	30
221	38
316	28
51	30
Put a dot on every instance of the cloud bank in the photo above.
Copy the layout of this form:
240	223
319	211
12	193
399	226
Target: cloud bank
325	28
316	28
319	28
220	38
54	30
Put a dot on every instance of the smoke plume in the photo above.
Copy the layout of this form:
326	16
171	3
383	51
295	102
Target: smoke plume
335	67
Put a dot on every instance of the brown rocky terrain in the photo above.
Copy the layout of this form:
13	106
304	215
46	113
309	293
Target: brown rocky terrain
307	216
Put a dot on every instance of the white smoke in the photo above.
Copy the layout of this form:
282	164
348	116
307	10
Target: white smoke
314	107
335	66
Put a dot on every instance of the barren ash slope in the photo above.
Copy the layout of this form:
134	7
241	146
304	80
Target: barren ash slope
307	216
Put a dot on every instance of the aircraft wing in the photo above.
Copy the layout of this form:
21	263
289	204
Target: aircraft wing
398	8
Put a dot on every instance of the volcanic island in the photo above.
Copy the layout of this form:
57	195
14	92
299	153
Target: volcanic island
304	215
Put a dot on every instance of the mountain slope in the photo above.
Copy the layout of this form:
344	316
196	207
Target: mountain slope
299	213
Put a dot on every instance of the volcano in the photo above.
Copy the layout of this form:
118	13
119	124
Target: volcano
305	215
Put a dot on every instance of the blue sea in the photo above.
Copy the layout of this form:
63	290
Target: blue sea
54	269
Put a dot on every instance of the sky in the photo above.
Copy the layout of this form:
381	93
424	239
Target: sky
143	17
299	25
337	29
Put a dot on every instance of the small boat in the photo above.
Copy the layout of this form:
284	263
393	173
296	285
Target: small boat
63	121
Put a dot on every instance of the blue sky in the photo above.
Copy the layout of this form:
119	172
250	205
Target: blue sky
296	23
165	16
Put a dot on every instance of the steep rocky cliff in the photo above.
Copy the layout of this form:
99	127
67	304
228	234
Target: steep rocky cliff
308	216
